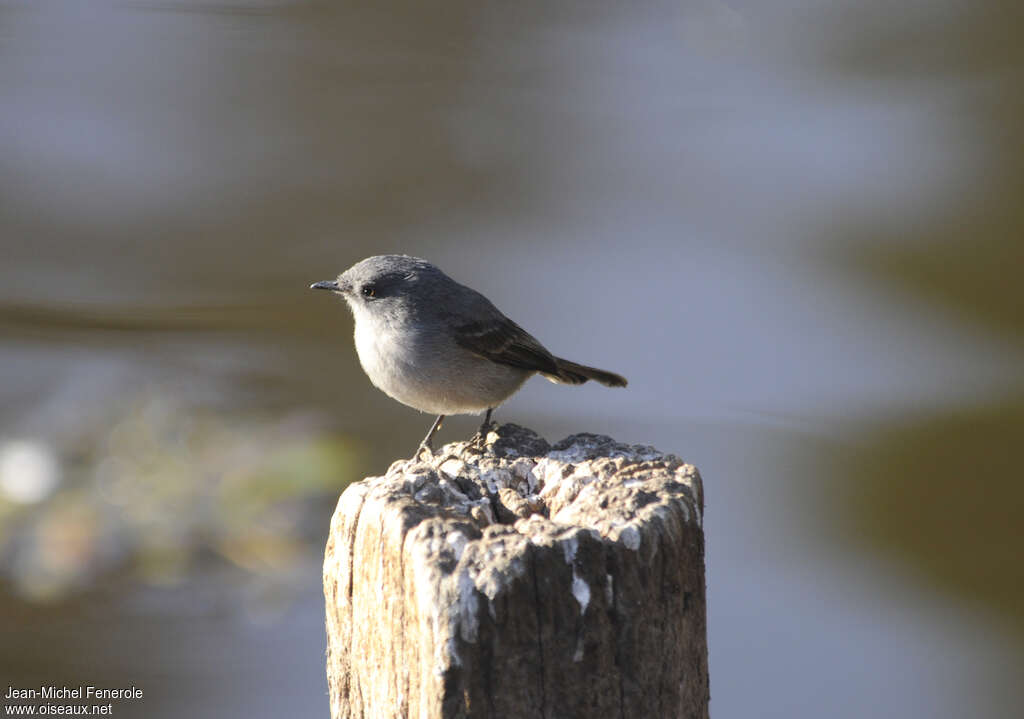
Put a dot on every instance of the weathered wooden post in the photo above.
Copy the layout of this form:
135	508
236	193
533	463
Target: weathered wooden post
520	581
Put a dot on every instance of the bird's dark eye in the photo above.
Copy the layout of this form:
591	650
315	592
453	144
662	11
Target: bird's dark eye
369	291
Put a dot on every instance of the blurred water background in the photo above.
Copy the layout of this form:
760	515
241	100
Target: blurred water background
795	226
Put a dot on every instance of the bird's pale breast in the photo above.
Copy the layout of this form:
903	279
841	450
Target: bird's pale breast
417	369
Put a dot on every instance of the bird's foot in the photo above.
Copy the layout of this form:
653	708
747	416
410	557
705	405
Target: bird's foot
428	441
480	438
424	447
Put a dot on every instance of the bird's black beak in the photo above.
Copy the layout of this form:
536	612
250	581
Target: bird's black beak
326	285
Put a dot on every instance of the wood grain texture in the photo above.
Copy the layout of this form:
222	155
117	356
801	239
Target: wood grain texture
520	580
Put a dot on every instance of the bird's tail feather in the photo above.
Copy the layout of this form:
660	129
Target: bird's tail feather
572	373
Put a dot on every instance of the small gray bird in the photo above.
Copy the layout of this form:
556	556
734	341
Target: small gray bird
440	347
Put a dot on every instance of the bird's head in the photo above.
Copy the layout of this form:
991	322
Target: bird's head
380	282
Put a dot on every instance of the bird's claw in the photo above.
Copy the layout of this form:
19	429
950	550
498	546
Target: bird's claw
480	438
424	447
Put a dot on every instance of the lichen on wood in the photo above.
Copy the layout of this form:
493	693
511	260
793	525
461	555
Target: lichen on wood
518	579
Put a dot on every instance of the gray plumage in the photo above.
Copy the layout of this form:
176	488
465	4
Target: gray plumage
439	346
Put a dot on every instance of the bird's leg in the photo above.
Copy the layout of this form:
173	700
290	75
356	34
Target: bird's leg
481	434
426	444
487	421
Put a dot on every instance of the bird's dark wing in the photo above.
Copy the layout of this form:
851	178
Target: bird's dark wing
499	339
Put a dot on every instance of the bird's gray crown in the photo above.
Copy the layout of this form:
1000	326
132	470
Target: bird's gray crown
386	270
389	283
